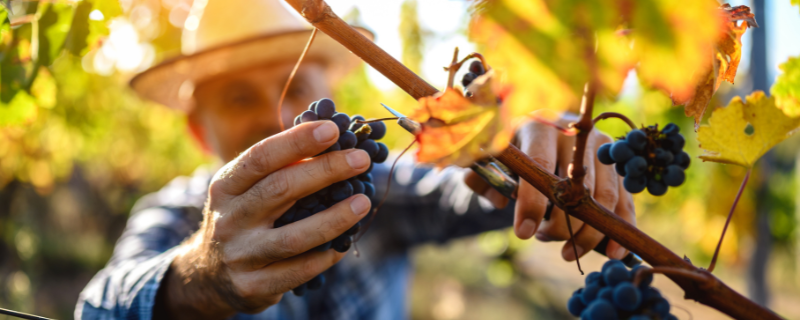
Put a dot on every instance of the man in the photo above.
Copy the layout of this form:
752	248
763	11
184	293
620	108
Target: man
238	265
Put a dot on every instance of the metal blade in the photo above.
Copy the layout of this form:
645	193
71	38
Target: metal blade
408	124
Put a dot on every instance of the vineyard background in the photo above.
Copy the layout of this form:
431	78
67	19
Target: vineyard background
88	148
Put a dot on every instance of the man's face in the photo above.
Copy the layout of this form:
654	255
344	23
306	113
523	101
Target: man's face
236	110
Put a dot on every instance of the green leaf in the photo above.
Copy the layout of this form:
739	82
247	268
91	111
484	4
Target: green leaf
53	25
786	89
21	109
79	31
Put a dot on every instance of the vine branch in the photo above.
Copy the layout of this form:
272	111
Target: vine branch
580	205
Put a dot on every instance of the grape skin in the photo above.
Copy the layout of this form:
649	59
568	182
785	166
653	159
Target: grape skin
637	139
604	154
634	184
674	176
621	151
636	167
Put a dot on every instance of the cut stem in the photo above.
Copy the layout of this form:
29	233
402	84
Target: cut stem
606	115
291	76
728	221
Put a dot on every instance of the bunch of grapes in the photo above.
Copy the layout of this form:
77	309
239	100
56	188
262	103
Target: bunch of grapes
648	158
611	294
475	70
351	135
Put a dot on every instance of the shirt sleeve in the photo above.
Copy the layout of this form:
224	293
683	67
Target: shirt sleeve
126	288
424	205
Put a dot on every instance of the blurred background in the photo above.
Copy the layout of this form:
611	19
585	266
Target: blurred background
77	148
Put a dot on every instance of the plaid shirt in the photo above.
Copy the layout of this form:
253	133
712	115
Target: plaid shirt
423	206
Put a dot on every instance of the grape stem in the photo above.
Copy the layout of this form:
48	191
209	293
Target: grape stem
291	76
582	206
606	115
456	65
728	221
574	246
700	277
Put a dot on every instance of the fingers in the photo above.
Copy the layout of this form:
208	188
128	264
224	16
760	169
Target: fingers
263	286
289	184
481	187
273	153
539	142
304	235
625	210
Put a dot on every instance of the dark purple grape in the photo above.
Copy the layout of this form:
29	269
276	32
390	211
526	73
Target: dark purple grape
621	151
342	243
299	291
365	177
646	281
607	294
354	125
627	297
319	208
661	307
308	202
347	140
656	187
610	263
369	189
615	275
663	157
369	146
341	190
324	247
297	120
637	140
620	168
476	67
634	184
308	116
468	78
670	129
334	147
594	277
590	292
383	153
313	106
358	186
682	160
325	108
354	229
316	282
676	143
604	154
342	121
575	305
378	130
600	310
636	167
674	175
302	214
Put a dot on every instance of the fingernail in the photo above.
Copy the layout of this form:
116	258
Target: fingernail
359	205
357	159
526	229
326	131
619	253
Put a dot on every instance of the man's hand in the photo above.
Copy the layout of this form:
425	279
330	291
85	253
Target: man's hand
237	261
549	147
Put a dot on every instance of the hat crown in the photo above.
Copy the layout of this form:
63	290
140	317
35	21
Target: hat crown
213	23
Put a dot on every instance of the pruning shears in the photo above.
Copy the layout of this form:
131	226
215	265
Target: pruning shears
505	181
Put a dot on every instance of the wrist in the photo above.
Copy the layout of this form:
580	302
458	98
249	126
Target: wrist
190	288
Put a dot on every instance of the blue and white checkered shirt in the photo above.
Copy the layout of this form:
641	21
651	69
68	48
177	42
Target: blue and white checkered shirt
423	206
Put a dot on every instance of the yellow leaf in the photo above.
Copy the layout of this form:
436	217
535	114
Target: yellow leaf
786	89
456	131
744	130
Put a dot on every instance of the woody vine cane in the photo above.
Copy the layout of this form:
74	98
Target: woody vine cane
569	194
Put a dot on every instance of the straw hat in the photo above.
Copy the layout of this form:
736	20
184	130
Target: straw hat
224	36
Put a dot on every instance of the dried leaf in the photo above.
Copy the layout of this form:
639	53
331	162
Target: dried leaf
457	131
786	89
723	65
744	130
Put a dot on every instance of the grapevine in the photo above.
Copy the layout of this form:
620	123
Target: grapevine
568	194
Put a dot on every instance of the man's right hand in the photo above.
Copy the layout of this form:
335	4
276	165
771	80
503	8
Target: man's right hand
237	261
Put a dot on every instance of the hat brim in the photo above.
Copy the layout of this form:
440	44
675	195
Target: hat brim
172	82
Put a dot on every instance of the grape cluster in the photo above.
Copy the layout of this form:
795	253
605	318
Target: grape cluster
475	70
611	294
648	158
351	135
